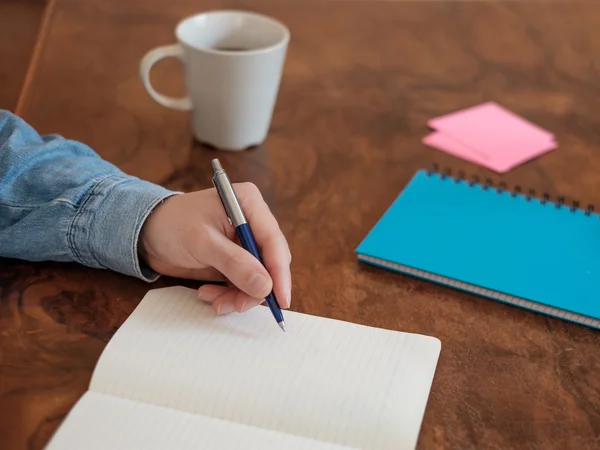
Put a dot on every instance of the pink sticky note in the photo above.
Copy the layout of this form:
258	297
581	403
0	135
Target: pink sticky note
491	130
500	163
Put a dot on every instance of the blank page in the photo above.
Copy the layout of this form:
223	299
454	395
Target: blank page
104	422
323	379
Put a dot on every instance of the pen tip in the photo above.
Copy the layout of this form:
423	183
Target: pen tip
216	164
282	325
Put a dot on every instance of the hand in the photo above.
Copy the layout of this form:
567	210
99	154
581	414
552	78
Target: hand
189	236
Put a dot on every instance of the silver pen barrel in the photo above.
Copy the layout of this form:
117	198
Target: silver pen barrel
227	194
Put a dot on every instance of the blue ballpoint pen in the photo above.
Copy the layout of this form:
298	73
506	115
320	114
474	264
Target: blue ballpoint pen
238	220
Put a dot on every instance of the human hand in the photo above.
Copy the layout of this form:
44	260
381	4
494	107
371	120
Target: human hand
189	236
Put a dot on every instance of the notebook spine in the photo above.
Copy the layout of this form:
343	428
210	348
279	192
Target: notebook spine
502	187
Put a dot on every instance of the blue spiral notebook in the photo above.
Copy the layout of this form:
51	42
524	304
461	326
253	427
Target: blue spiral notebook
509	246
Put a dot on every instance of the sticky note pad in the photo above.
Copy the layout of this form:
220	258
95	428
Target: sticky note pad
489	135
501	163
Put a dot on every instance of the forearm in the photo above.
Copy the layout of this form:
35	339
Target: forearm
60	201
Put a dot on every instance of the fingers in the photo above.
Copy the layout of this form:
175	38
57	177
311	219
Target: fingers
240	267
210	292
277	262
271	241
227	299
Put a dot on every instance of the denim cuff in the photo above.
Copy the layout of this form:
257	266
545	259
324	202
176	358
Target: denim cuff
105	231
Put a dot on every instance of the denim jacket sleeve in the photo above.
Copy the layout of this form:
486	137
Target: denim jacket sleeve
60	201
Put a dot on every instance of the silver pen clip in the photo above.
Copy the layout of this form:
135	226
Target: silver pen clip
222	201
227	195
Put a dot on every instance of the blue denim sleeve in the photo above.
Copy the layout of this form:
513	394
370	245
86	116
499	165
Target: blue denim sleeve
60	201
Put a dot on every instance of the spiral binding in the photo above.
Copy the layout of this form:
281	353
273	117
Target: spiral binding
488	184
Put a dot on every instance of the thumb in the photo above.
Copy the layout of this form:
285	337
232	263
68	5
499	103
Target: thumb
240	267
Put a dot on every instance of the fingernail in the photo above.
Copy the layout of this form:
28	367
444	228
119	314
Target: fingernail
207	293
257	285
249	304
288	296
225	308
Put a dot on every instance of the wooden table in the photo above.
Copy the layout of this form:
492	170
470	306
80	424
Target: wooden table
360	82
19	24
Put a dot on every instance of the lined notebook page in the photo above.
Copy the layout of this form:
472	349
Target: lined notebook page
104	422
323	379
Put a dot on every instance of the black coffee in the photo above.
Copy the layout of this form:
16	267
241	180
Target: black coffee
231	49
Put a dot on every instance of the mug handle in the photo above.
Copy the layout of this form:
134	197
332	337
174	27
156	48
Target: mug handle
151	58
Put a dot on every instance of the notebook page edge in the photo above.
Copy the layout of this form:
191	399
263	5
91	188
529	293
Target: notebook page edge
419	379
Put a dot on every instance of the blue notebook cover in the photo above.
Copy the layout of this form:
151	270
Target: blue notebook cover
505	245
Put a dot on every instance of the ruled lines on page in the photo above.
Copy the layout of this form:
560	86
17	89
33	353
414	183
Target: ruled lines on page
104	422
323	379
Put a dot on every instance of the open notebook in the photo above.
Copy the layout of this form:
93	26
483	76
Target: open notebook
506	245
175	376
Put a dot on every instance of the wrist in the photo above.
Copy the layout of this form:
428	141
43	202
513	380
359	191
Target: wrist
144	244
106	231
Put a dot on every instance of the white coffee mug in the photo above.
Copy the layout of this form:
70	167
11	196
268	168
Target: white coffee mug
232	64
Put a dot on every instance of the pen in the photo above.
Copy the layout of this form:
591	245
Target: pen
236	217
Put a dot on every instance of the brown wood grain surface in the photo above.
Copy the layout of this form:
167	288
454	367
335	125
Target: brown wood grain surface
19	26
360	82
